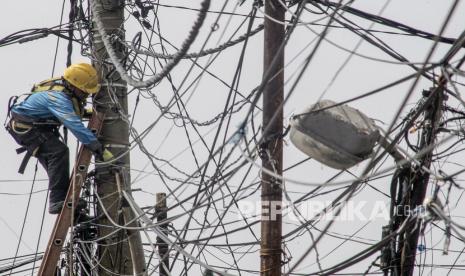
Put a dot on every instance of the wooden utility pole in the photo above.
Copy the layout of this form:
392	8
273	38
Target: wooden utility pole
272	145
161	213
420	180
120	252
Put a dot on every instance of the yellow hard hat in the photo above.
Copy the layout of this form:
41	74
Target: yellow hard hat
83	76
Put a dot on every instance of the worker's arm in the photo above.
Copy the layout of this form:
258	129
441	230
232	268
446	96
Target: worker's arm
61	107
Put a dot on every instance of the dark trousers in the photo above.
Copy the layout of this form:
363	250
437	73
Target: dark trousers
54	157
52	154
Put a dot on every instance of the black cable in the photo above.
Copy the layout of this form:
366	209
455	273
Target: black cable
24	219
34	34
375	91
71	18
365	253
58	39
23	263
236	83
388	22
449	147
217	171
40	231
208	161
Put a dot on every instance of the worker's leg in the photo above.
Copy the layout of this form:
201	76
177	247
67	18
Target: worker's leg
54	156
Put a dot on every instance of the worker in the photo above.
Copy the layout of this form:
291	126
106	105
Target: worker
35	121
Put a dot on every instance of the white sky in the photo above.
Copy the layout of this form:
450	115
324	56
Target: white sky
24	64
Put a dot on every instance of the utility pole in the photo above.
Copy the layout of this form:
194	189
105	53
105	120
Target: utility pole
161	214
420	180
120	252
272	145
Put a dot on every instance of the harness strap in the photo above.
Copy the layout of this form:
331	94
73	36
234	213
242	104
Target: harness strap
24	121
30	150
58	85
19	127
55	84
11	102
50	84
21	150
30	137
23	165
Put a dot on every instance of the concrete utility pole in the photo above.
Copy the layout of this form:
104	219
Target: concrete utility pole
272	145
121	252
433	115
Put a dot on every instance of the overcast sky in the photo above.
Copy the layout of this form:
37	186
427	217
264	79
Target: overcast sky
22	65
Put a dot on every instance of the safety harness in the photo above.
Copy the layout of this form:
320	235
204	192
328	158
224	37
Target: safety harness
57	84
29	132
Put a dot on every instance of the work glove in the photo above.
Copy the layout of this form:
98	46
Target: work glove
107	155
96	148
100	152
88	111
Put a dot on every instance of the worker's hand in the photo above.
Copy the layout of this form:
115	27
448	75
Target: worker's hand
107	155
96	148
100	152
88	111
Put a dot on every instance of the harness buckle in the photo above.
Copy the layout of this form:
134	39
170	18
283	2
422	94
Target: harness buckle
20	128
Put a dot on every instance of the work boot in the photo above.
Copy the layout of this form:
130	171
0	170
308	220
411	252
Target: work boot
55	208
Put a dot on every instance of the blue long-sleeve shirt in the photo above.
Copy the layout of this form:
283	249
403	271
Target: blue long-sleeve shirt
55	105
